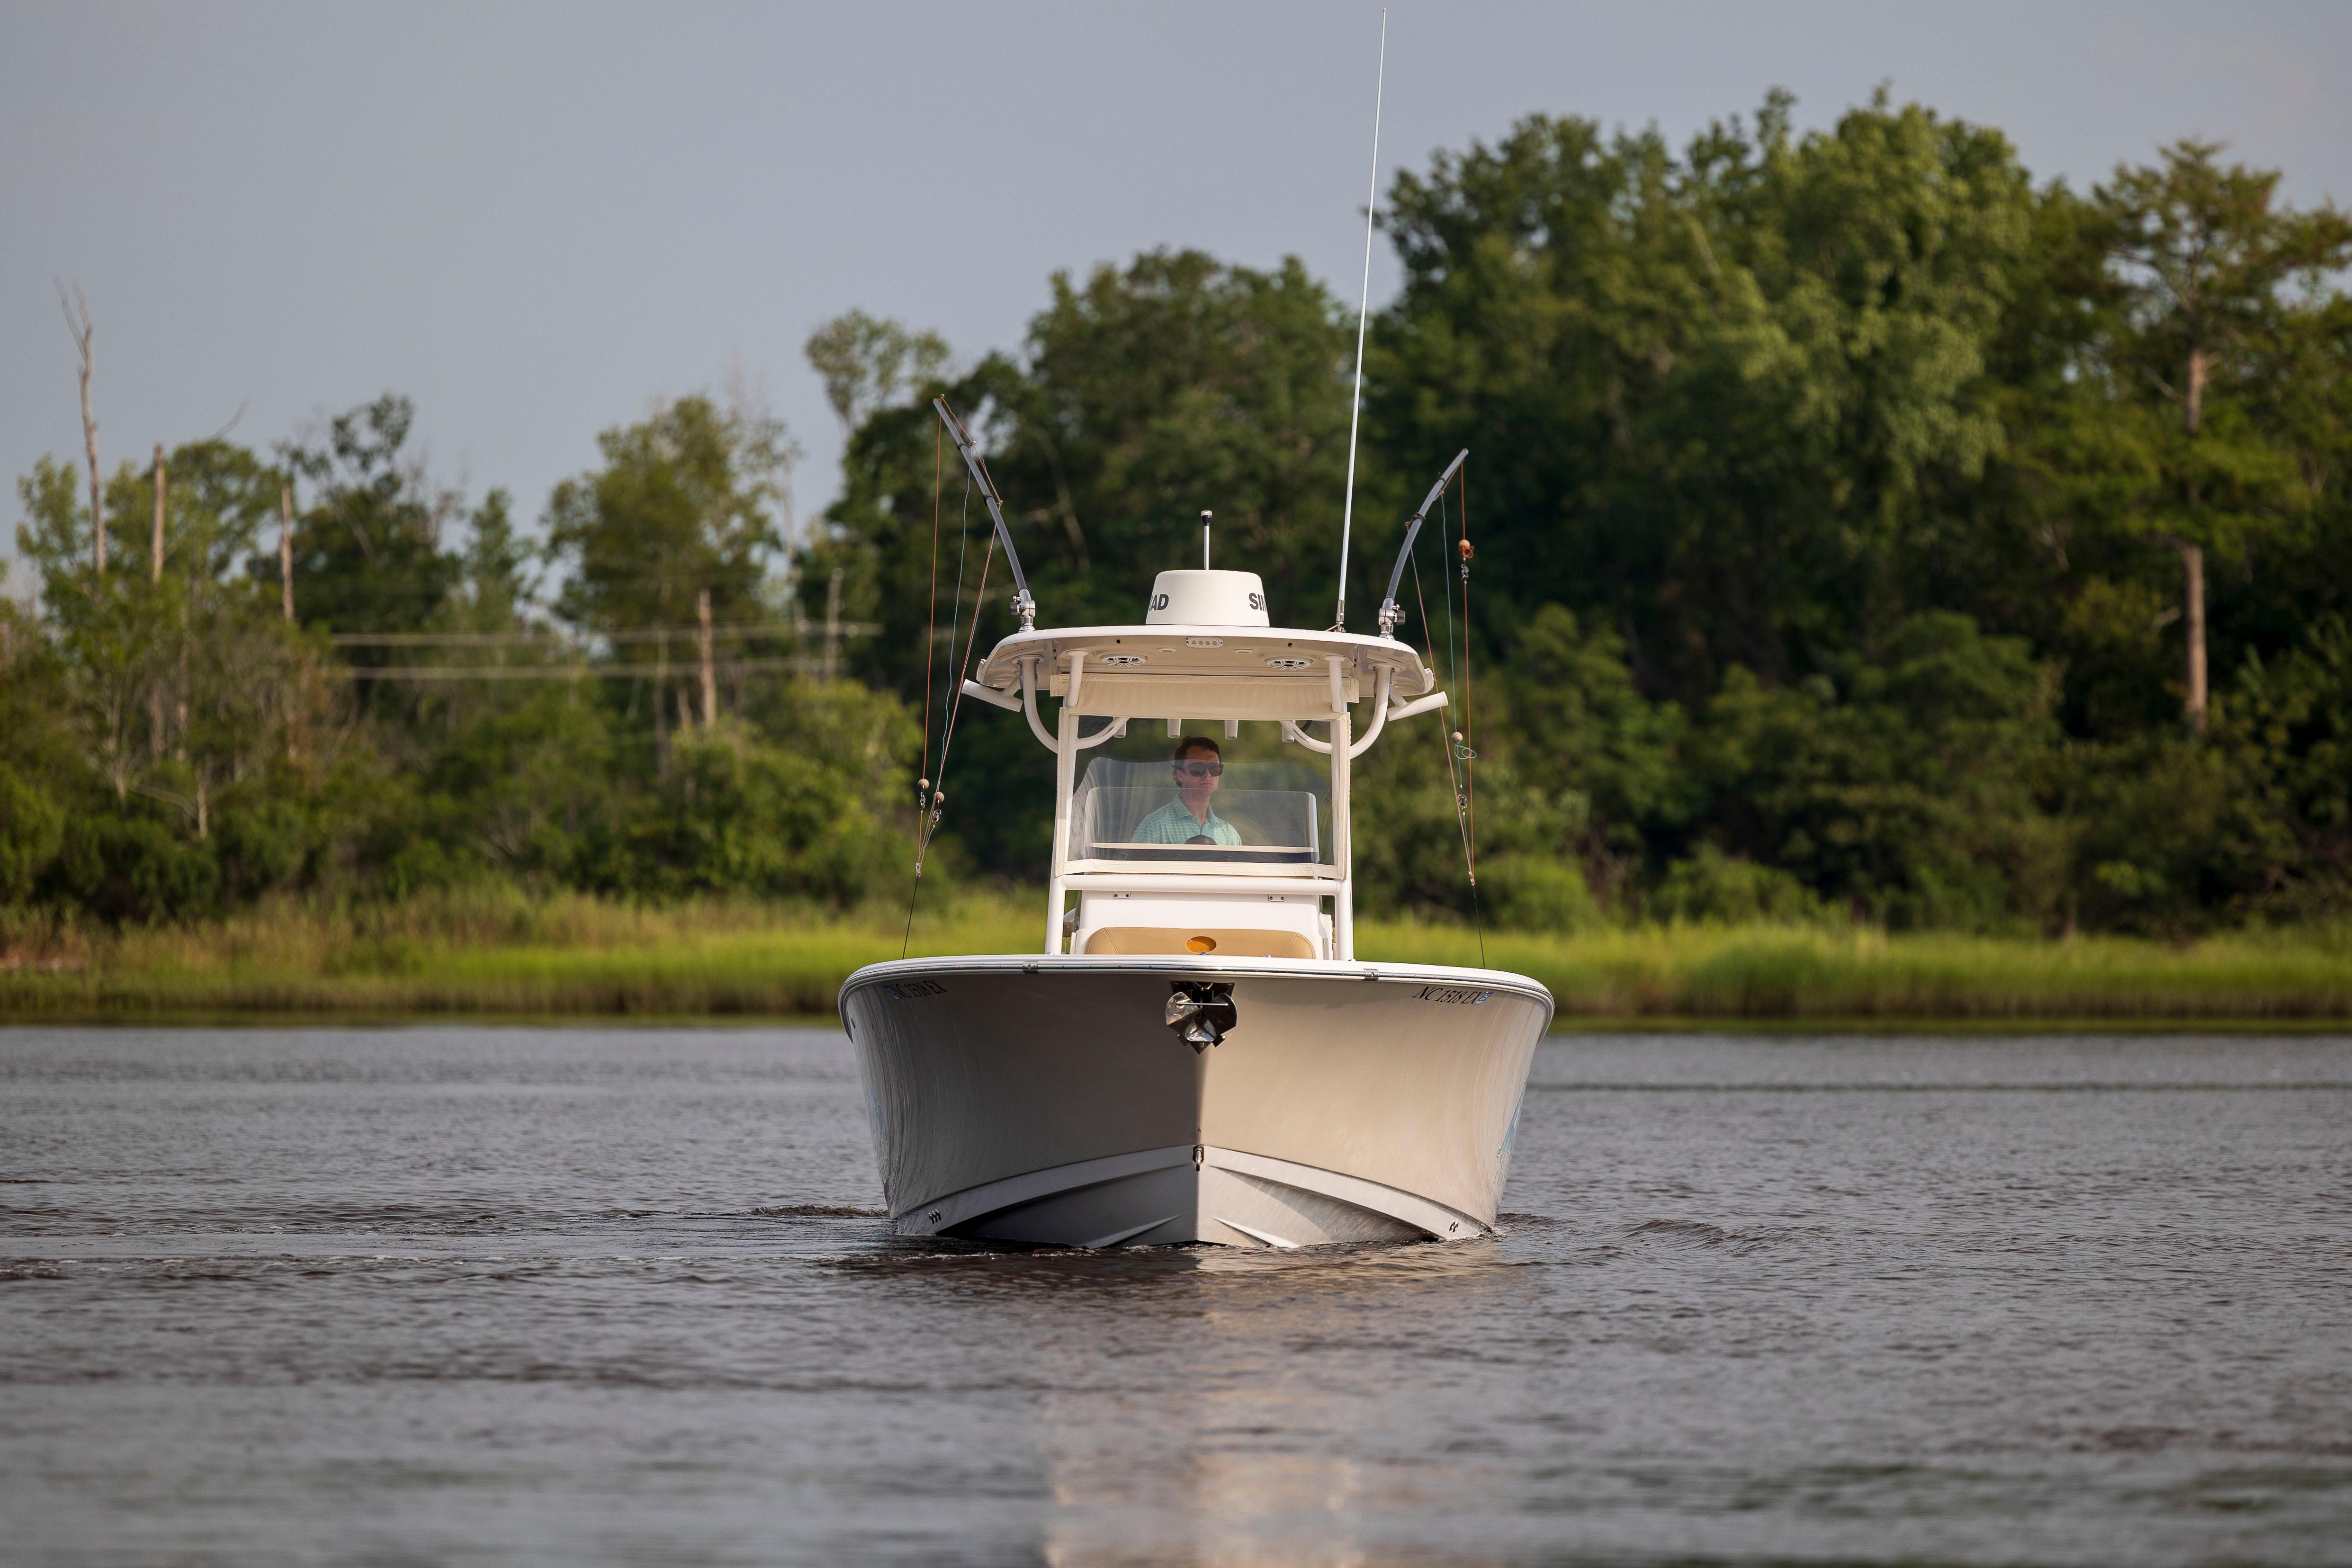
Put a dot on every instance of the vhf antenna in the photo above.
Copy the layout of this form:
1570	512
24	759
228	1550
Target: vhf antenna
1364	310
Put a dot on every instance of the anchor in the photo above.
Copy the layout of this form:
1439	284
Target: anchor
1199	1012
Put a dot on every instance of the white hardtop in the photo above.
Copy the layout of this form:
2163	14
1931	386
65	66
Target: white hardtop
1200	671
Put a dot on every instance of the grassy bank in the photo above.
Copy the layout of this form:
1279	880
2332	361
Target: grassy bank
1766	972
500	954
488	953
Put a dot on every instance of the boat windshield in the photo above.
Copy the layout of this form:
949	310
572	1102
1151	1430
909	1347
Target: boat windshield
1257	813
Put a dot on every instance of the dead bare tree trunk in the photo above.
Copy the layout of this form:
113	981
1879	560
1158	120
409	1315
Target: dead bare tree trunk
155	576
83	334
286	547
709	667
2192	568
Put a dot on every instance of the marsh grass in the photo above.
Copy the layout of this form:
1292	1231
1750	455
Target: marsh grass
491	951
498	952
1808	973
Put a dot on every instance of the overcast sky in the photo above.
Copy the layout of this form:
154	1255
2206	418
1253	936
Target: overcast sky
533	219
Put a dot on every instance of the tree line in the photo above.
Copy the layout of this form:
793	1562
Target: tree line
387	695
1861	529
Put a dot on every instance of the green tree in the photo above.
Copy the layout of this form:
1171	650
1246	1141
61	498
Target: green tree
686	504
181	683
37	760
1713	399
2288	733
1576	718
108	637
2217	283
497	585
367	550
32	830
803	807
868	363
1907	786
522	785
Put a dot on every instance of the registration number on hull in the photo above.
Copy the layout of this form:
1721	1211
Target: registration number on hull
1461	996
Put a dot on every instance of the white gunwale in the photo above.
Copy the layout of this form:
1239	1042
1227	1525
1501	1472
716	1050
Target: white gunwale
1204	967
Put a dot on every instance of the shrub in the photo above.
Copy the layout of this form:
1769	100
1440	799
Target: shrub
127	869
260	847
1717	889
1524	891
32	828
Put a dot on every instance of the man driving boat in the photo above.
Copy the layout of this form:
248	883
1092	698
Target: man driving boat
1190	818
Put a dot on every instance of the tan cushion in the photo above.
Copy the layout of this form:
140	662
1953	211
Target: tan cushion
1224	941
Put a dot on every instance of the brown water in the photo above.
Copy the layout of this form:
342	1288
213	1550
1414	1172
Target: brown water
465	1295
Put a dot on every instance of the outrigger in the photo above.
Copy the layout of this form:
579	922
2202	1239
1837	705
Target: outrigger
1195	1053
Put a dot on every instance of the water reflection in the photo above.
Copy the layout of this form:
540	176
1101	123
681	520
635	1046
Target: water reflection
1227	1407
1260	1439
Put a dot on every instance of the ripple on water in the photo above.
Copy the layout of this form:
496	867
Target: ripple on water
458	1294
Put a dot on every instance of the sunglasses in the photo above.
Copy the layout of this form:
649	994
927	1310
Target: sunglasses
1200	770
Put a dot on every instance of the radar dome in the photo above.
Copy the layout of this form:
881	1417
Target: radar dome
1203	597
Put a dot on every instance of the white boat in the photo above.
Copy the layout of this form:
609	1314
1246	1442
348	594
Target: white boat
1193	1052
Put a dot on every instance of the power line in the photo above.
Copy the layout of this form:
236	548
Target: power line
639	634
580	671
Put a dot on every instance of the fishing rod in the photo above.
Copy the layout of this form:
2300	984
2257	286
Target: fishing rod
1023	605
1391	612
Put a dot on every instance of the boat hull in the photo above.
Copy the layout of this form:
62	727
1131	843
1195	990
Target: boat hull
1046	1101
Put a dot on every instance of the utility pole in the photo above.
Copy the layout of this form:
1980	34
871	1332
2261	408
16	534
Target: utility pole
710	671
286	546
